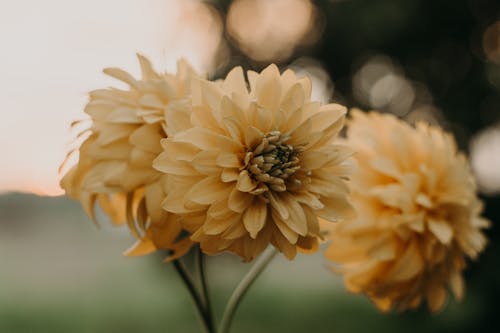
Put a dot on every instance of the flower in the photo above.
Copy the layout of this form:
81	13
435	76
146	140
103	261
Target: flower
253	166
115	160
418	216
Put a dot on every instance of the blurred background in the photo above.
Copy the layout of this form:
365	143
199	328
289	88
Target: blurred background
437	61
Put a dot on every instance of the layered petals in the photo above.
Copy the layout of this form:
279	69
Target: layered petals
258	164
418	216
115	159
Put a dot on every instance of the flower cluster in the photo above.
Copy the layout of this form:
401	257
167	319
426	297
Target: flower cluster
235	166
418	215
250	161
115	160
249	167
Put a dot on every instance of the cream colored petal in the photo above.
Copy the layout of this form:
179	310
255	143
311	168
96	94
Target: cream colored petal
294	98
148	73
140	158
141	247
441	229
407	265
114	133
208	191
327	116
229	175
336	208
235	81
290	235
124	115
457	285
205	162
284	245
252	80
253	136
301	135
386	167
229	160
262	119
99	110
147	138
436	297
297	219
293	121
308	199
152	101
279	206
204	117
211	94
166	164
112	95
245	183
237	230
219	210
239	201
216	226
268	88
178	117
121	75
233	127
181	151
206	139
314	159
242	101
254	217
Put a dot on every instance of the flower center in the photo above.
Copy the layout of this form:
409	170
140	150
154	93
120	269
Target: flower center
272	161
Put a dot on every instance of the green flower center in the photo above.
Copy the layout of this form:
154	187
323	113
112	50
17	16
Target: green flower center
272	161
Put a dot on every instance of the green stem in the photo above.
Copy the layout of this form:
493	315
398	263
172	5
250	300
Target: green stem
243	287
183	273
200	258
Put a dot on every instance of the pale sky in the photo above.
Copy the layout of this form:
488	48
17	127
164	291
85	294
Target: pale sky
53	52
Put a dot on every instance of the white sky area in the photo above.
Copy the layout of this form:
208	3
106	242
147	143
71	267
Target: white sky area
53	53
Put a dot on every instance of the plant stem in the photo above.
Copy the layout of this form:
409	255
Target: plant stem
243	287
200	260
183	273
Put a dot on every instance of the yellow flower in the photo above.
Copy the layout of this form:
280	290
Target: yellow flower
115	160
417	215
253	166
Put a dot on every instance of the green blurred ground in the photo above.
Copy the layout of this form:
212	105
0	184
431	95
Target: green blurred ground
61	274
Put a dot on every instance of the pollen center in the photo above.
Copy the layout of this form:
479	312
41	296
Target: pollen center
272	162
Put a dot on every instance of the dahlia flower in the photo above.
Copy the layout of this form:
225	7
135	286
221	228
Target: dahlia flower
115	160
418	216
250	166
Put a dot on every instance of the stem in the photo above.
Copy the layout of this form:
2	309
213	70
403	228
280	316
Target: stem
181	270
243	287
200	259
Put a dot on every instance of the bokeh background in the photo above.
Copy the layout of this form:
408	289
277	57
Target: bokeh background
437	61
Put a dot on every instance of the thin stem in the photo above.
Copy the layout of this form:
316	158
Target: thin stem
200	260
183	273
243	287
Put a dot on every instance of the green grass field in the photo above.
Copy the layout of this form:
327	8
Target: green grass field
59	273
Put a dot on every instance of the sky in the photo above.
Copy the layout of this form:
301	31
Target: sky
53	53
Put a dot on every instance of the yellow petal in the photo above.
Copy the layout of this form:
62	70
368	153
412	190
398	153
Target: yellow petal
254	217
208	191
239	201
407	266
441	229
141	247
235	81
285	230
216	226
245	183
268	88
